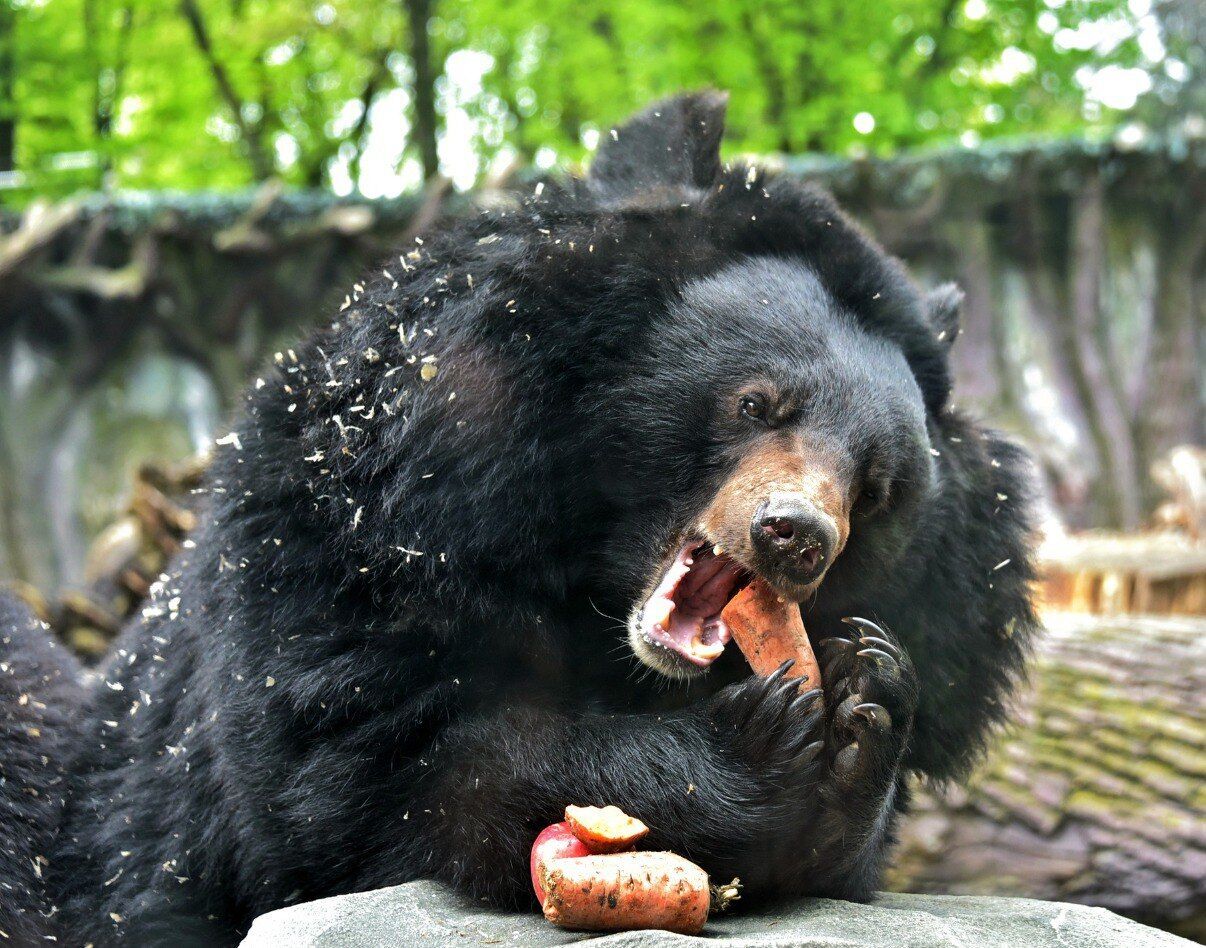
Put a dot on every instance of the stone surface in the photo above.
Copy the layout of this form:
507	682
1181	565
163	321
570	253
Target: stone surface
426	914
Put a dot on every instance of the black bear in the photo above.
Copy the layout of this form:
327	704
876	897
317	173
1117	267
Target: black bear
533	457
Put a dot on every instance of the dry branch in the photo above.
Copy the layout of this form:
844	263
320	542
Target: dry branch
39	228
251	131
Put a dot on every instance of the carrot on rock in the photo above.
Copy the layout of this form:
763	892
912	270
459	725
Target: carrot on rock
586	876
625	891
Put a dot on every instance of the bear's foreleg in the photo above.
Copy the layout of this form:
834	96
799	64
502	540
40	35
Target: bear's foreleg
833	818
871	693
474	804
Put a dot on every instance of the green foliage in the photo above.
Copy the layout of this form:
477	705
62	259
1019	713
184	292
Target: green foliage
221	93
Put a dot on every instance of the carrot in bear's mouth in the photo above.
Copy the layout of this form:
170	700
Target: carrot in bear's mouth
770	631
706	598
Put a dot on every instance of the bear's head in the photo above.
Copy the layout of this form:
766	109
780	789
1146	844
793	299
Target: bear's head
789	445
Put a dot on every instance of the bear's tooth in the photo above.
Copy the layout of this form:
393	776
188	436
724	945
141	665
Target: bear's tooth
659	612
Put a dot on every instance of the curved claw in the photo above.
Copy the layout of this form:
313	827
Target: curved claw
876	715
878	655
836	652
809	753
874	641
774	677
806	698
806	731
865	626
786	685
835	641
772	686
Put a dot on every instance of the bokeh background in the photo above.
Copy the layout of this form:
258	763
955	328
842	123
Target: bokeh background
187	185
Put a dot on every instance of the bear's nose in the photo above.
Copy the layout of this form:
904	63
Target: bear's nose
792	537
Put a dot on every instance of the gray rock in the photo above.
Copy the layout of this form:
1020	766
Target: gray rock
427	914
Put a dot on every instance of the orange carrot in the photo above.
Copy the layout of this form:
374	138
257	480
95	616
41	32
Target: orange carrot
769	631
625	891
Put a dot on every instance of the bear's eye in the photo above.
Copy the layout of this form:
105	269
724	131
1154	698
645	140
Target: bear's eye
872	497
754	406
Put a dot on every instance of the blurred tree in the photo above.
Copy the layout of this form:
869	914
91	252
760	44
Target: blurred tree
378	94
8	23
418	15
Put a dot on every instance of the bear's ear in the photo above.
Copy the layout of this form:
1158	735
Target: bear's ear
672	144
943	304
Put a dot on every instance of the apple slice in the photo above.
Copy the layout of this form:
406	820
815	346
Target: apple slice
605	829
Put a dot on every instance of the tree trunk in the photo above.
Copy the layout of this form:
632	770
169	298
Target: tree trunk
418	15
108	82
1170	405
251	131
1062	265
978	354
12	537
1086	261
1097	797
772	80
8	75
1041	254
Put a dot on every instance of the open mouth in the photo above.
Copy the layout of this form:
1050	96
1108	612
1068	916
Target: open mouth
683	615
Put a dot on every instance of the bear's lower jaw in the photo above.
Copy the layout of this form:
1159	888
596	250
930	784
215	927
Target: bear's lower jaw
678	629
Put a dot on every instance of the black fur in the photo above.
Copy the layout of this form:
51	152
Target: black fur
390	653
38	693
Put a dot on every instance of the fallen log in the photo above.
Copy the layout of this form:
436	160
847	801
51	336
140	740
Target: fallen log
1098	794
1161	573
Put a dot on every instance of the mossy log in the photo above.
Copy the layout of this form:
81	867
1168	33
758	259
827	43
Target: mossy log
1098	793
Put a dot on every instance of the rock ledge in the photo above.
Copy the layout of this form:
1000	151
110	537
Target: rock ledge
427	914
